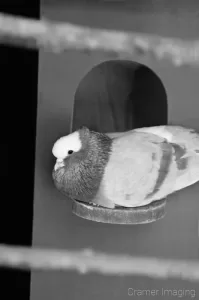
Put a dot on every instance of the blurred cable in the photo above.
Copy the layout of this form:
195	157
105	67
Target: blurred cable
85	261
59	37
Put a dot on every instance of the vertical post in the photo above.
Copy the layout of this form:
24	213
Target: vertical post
18	107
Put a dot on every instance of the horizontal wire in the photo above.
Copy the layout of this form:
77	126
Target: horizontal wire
59	37
85	261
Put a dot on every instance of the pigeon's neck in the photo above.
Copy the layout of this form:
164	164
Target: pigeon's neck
84	171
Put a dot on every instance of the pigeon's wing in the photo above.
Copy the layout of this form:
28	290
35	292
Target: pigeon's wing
185	142
138	167
185	137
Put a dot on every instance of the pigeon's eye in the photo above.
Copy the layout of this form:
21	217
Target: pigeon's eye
70	152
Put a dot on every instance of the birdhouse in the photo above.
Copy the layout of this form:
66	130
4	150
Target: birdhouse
117	96
117	93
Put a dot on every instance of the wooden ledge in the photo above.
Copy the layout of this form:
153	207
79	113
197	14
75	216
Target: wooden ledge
139	215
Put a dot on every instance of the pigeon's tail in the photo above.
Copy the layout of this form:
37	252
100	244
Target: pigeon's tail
187	162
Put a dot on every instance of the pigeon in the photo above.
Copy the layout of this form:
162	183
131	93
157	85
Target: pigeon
126	169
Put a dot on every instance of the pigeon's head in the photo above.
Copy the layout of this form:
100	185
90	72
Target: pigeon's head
80	161
70	145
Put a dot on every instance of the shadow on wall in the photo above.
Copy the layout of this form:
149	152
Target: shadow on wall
120	95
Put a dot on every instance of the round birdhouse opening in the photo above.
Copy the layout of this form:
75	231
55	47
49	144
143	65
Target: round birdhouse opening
117	96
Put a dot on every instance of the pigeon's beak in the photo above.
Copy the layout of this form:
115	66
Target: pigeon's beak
59	164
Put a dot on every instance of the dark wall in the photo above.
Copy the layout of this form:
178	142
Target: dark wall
175	236
136	5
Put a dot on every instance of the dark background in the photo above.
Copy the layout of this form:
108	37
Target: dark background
18	108
175	236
